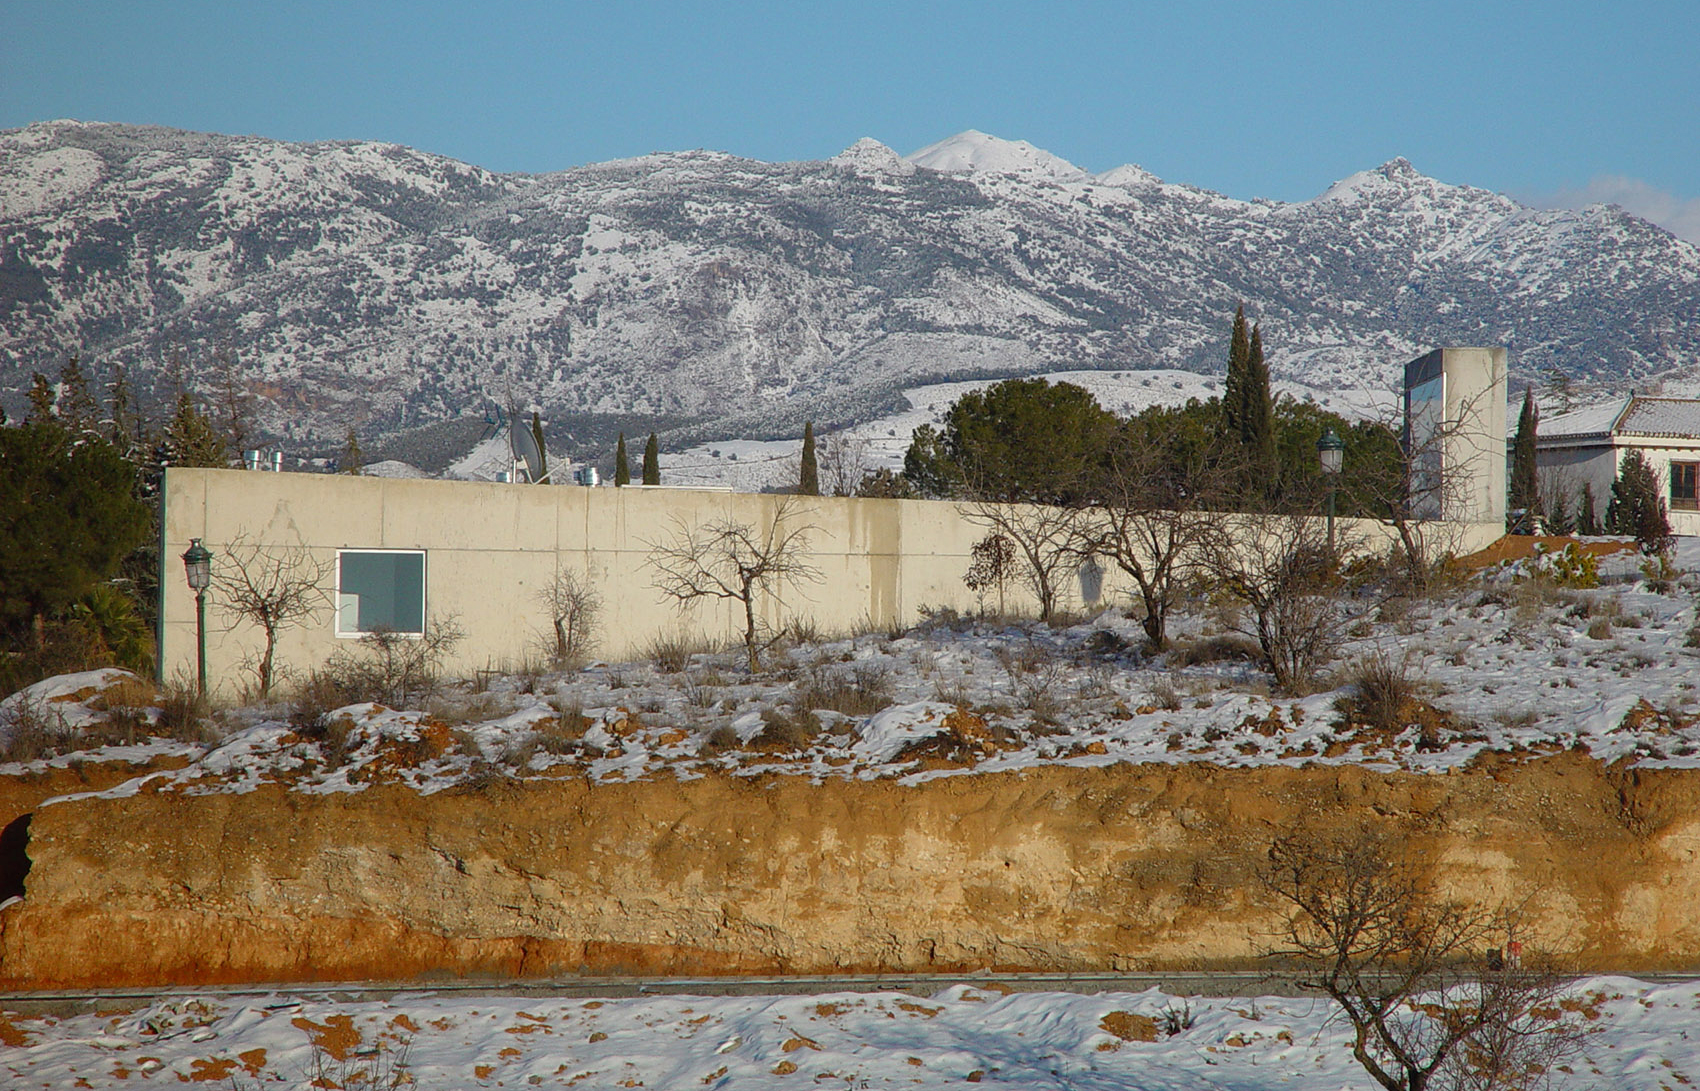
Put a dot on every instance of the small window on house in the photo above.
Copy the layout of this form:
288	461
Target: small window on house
380	591
1682	493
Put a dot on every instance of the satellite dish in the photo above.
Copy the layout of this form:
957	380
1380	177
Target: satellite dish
524	440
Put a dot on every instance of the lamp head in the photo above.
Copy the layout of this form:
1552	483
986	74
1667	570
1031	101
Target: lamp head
197	564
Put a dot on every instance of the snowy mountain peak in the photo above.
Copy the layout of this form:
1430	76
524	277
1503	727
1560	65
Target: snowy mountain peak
977	151
869	156
1128	176
1396	172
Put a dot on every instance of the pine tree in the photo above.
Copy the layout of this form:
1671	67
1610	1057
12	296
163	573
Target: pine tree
190	439
1524	487
808	482
651	462
77	407
68	517
352	459
1638	506
622	468
43	399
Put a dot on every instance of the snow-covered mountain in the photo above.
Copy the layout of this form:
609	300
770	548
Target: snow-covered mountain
373	285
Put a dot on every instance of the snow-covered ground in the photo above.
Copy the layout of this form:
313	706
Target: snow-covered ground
1643	1037
1511	665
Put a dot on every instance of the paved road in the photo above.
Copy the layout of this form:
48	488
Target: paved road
1217	984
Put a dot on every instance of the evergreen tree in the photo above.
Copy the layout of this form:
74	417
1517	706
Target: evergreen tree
190	439
352	458
1638	505
1029	441
622	467
808	482
1524	487
1234	386
42	398
927	470
1588	511
1257	427
68	517
124	422
77	408
651	461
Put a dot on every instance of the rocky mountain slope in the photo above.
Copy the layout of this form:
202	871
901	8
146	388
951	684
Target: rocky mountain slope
376	285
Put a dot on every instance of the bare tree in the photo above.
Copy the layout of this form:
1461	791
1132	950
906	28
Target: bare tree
573	606
726	559
1431	1001
1414	499
1049	542
845	460
1281	568
1154	523
274	587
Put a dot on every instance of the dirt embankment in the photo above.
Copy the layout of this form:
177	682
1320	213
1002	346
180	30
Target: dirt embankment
1058	868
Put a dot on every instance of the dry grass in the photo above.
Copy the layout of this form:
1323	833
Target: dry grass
1223	648
672	652
862	690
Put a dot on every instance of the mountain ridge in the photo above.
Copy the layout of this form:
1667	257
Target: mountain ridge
370	284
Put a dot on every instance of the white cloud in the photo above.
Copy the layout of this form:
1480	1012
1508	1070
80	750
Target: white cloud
1678	215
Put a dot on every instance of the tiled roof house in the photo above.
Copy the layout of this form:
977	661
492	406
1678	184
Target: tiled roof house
1584	447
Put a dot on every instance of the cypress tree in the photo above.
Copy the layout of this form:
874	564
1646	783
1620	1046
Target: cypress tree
1233	387
1588	512
651	462
1524	489
351	457
1257	428
808	482
622	468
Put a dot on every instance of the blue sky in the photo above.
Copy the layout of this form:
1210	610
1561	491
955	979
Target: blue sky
1548	101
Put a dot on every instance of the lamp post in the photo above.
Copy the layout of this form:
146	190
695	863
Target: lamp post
1331	453
197	562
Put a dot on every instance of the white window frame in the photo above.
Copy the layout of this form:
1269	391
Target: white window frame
424	594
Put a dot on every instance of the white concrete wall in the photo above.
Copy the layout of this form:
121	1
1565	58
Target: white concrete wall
490	548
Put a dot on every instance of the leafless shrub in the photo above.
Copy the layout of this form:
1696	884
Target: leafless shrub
183	714
861	691
672	652
1282	569
1035	677
721	740
1405	968
1165	695
786	732
393	668
1215	649
1384	690
954	691
33	730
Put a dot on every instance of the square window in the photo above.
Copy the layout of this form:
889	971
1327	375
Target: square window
380	590
1682	482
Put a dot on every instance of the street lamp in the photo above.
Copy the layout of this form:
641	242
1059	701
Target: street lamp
1331	453
197	563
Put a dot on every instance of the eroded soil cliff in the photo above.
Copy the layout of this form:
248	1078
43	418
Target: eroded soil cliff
1129	867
